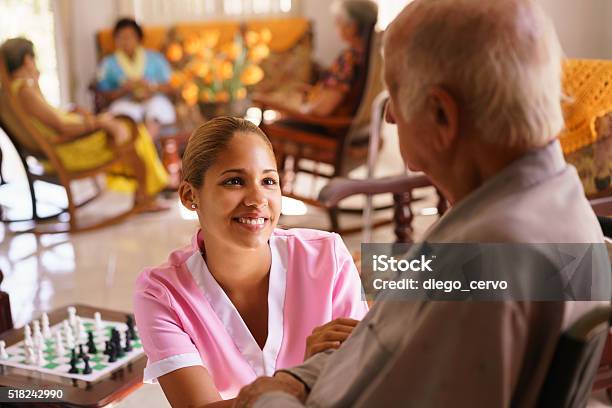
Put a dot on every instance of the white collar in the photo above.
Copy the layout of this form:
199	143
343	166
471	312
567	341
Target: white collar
263	361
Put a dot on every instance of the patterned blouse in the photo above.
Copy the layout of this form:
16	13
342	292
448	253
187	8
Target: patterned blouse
344	70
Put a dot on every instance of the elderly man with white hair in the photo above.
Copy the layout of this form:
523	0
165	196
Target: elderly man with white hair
475	93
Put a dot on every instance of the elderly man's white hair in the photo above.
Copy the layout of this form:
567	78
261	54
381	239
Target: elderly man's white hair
500	59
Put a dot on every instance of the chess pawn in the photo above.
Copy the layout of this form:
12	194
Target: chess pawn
59	344
40	358
39	342
27	331
72	315
3	353
70	340
79	328
98	321
87	368
29	355
46	331
66	327
36	327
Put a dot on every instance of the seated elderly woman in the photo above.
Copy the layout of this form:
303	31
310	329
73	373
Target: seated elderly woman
87	139
332	93
135	80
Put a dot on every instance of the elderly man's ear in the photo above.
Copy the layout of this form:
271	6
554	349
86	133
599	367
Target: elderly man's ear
444	115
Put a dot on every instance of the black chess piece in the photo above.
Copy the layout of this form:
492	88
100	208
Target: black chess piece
129	321
128	344
91	345
107	347
73	363
112	355
119	349
81	352
87	368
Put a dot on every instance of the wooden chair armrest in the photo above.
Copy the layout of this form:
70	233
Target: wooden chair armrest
341	188
602	206
310	119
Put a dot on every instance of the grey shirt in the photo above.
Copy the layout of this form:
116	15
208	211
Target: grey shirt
464	354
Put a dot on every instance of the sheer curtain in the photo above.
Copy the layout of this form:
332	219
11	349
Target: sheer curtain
164	12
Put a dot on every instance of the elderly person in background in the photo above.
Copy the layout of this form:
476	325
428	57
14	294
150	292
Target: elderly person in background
475	93
332	94
82	140
135	80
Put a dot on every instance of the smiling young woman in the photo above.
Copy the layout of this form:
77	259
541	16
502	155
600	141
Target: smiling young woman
245	298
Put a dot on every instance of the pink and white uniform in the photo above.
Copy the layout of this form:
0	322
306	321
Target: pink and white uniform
186	319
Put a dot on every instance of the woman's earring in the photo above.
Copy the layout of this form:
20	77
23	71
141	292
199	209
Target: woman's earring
194	206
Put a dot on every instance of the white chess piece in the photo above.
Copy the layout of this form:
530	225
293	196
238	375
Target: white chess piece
46	331
27	331
72	315
59	344
80	329
35	327
29	355
39	341
3	353
40	358
98	319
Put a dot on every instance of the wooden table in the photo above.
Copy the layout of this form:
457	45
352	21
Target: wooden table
79	393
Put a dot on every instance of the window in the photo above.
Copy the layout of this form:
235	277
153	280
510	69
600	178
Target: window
388	10
34	20
165	12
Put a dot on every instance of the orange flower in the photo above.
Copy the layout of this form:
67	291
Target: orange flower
210	38
251	75
174	52
224	69
251	38
200	69
177	79
231	50
208	79
265	35
223	96
192	45
207	95
259	53
241	93
190	93
206	54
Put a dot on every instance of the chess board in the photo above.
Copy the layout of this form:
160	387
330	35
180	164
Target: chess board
60	365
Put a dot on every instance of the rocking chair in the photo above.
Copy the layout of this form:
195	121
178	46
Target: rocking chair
34	149
340	142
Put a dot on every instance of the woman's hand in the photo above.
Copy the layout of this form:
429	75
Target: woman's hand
114	128
330	335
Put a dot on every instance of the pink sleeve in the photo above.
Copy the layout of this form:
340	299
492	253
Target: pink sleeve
348	298
166	345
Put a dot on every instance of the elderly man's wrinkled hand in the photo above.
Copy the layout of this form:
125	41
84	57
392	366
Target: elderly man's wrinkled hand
280	382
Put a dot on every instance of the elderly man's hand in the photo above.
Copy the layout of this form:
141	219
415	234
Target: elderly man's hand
280	382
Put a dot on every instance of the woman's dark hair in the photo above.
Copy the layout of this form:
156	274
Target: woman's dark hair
127	22
209	140
364	13
14	51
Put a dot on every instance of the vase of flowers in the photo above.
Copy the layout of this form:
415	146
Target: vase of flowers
217	77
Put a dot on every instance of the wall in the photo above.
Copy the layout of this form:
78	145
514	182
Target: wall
582	27
86	17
